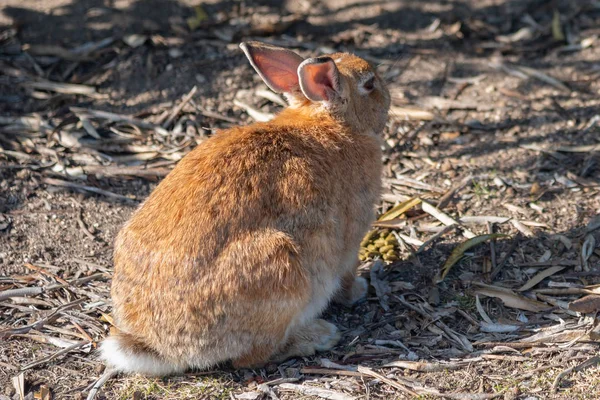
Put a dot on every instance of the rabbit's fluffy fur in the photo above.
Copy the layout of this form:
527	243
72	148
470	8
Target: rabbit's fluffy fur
241	247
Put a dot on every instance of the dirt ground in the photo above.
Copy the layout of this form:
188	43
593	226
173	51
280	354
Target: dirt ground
495	120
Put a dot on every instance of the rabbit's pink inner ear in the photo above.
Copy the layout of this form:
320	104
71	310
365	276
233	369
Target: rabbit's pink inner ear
276	66
319	79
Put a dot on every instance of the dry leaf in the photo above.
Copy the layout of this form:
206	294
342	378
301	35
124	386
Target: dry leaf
510	298
195	21
563	336
593	224
382	288
107	318
400	209
586	148
557	32
587	250
248	396
564	240
522	228
135	40
540	277
586	305
497	328
459	252
545	257
481	311
513	208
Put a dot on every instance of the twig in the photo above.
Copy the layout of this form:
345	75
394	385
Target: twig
275	98
55	355
373	374
83	227
549	263
504	259
402	180
109	373
435	237
490	228
329	371
431	366
255	114
178	109
71	185
482	219
65	88
211	114
33	291
110	170
118	118
38	324
462	342
44	272
29	291
445	199
568	371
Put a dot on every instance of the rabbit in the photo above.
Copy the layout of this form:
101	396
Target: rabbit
237	252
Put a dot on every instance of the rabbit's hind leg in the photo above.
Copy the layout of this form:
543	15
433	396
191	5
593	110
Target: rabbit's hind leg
353	289
257	356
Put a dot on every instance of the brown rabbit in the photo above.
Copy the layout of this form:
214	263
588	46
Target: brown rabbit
241	247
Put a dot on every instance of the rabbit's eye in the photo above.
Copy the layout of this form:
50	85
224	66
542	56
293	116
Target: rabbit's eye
369	85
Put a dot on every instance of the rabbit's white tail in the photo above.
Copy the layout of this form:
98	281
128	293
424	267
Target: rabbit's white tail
126	354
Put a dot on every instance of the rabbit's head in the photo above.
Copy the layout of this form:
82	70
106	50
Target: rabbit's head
342	85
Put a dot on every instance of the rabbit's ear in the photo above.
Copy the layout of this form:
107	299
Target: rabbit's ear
276	66
319	79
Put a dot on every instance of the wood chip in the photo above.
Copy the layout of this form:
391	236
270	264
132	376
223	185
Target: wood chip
19	385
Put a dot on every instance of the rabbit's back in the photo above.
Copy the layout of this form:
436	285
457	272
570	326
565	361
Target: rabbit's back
252	223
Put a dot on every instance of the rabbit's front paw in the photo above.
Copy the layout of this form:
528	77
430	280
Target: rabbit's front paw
327	335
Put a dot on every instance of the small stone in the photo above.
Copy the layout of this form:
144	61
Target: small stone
271	368
446	166
99	368
535	189
175	52
292	372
